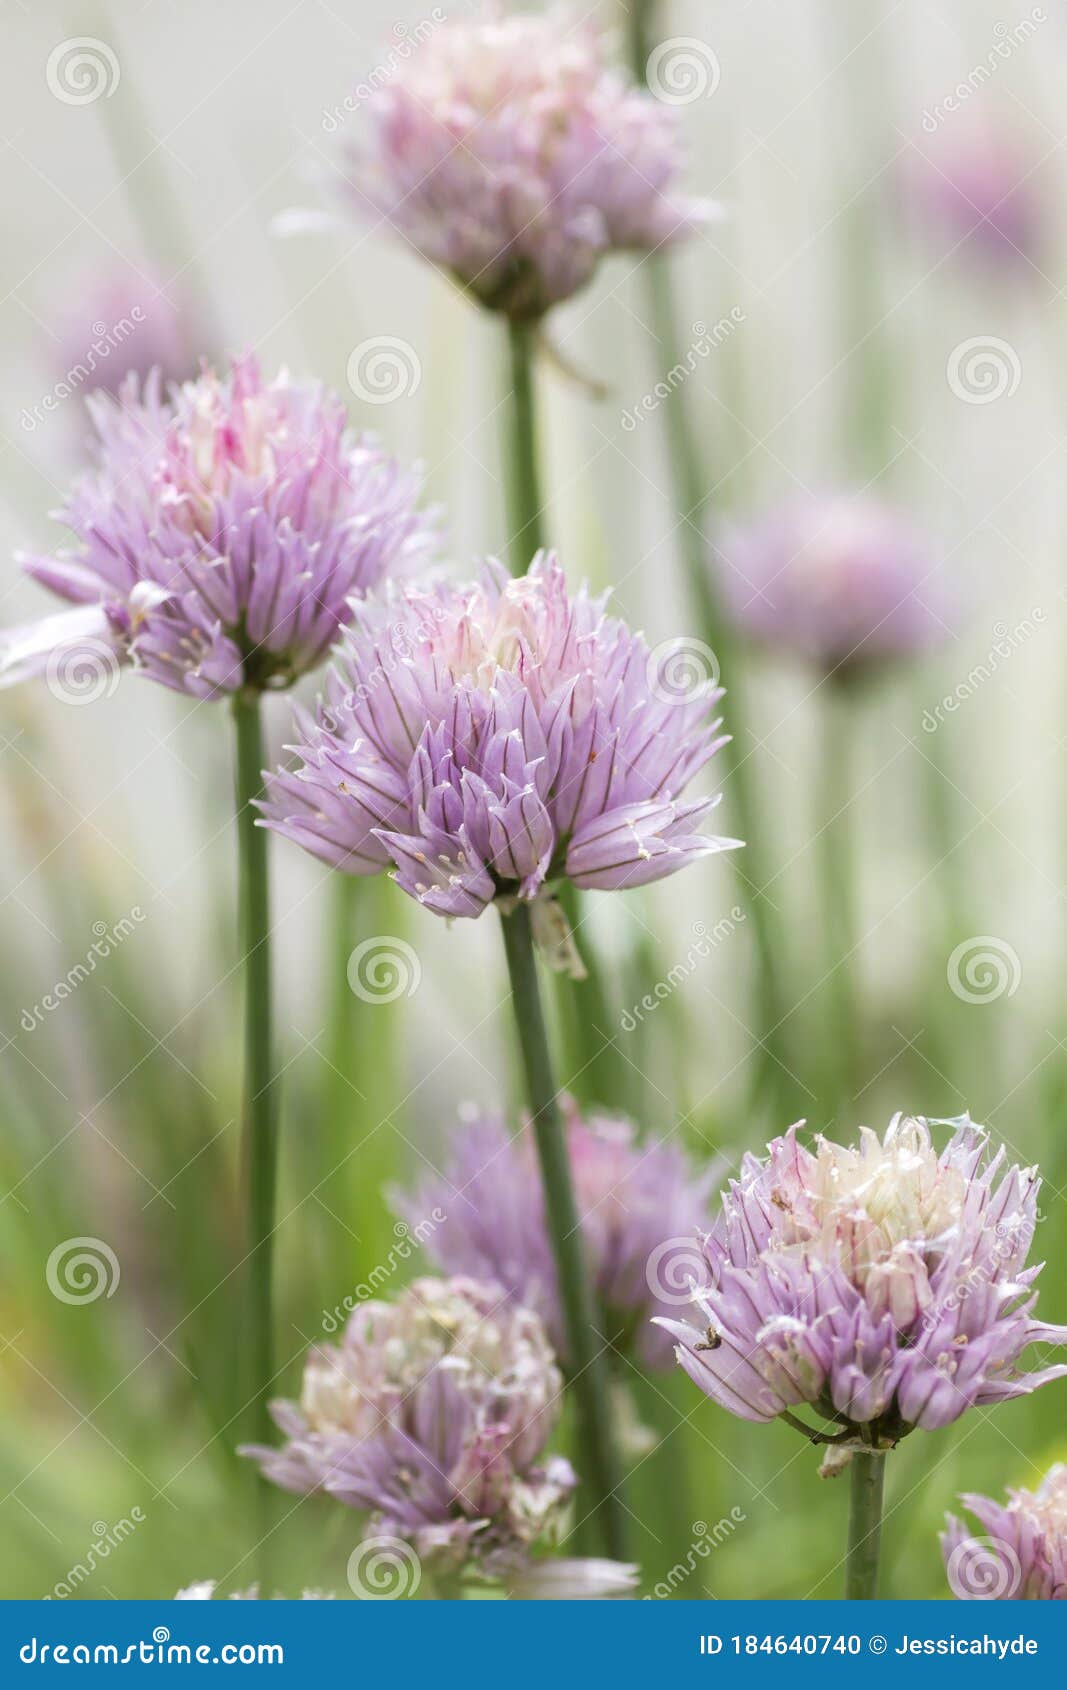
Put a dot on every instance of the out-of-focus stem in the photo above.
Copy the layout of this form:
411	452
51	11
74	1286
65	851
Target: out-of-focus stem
259	1118
864	1527
525	516
587	1359
691	478
840	1033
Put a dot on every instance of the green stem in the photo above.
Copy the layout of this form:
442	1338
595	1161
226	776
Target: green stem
260	1146
525	512
692	481
599	1468
840	1033
864	1527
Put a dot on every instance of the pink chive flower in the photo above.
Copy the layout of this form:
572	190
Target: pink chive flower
1021	1553
488	740
510	153
222	536
640	1205
433	1415
205	1592
839	579
883	1284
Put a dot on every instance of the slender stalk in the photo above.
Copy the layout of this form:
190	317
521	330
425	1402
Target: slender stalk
692	479
525	514
260	1146
598	1462
840	1033
864	1527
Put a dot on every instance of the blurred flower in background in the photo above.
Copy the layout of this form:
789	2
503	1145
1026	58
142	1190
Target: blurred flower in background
434	1414
884	1284
222	535
512	154
840	579
641	1204
487	740
120	320
975	194
1023	1552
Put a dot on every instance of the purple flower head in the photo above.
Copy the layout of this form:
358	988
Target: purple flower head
433	1414
485	741
975	193
204	1591
883	1284
640	1207
510	153
124	320
1022	1552
840	580
222	536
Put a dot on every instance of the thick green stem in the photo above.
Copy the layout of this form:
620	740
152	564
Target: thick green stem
840	1010
525	515
864	1527
587	1360
260	1145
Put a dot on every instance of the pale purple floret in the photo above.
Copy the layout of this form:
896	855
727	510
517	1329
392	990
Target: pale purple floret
632	1198
223	535
485	741
512	154
885	1285
978	191
840	579
122	319
1021	1553
433	1415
